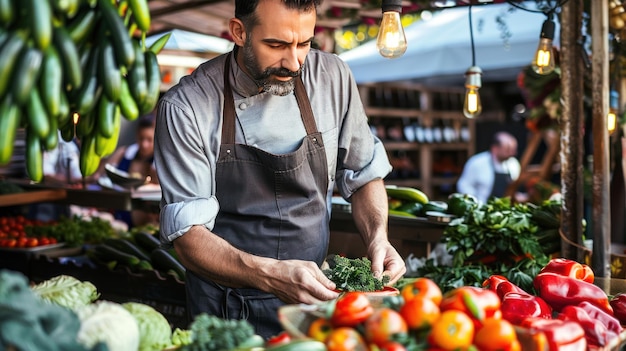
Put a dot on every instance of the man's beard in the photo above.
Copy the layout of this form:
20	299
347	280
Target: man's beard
263	77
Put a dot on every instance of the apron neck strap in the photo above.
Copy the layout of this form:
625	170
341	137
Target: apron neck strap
228	127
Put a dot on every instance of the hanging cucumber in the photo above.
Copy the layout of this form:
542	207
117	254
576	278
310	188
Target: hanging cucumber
9	53
140	13
88	160
26	74
127	103
37	116
137	76
122	42
51	81
39	15
52	140
82	26
34	156
109	73
106	146
72	72
9	122
153	74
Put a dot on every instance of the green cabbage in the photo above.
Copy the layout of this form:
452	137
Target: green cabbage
108	322
155	332
67	291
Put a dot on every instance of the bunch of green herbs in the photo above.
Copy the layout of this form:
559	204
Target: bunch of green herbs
354	274
498	237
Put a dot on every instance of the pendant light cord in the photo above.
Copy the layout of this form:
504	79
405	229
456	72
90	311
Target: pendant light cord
472	35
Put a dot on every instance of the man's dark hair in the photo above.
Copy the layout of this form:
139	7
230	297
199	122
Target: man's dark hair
245	9
146	121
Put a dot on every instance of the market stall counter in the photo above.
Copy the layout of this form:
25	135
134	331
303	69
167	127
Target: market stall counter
415	236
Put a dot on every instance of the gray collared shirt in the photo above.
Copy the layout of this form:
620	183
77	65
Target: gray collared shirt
189	123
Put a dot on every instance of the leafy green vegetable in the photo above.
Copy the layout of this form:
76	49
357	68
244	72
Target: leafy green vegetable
181	337
498	237
29	323
154	329
211	333
110	323
75	231
354	274
67	291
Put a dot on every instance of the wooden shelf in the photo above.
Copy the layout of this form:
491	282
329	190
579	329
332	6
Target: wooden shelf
393	105
30	197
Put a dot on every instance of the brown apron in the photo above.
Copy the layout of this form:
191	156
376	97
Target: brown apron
271	206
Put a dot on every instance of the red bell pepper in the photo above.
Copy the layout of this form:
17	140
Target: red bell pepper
501	285
570	268
351	308
554	334
477	302
559	291
518	306
618	302
596	333
609	321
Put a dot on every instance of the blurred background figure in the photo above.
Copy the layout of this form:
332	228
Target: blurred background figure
489	173
137	159
60	168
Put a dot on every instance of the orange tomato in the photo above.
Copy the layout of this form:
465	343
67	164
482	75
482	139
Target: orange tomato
423	287
382	324
495	334
453	330
345	339
320	329
420	312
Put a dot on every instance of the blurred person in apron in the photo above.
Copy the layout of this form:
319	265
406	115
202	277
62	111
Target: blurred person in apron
489	173
249	149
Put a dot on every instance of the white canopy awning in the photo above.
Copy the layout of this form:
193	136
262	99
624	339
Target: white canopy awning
441	46
189	41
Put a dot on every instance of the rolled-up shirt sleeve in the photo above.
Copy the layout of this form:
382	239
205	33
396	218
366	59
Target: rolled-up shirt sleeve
185	168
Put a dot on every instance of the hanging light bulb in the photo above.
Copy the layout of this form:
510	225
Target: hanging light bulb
472	107
611	118
391	41
543	62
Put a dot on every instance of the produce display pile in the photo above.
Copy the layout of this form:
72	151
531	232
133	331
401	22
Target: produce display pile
563	311
511	239
61	60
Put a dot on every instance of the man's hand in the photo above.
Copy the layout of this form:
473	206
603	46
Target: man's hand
295	281
386	261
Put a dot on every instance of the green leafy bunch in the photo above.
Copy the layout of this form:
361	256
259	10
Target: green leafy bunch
498	237
211	333
354	274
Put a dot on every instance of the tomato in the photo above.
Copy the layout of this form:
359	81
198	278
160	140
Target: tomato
21	242
392	346
52	240
351	308
320	329
495	334
282	338
345	339
453	330
44	240
420	312
423	287
10	243
382	324
32	242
